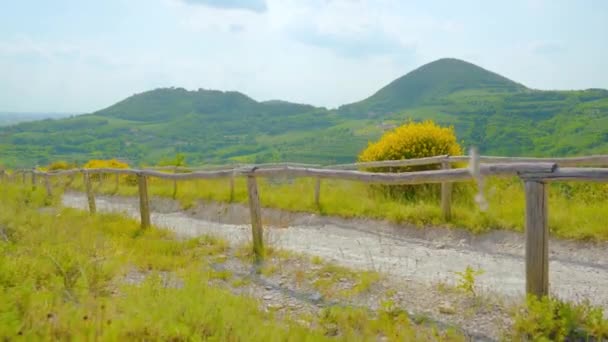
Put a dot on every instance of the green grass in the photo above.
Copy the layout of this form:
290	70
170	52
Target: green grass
327	279
576	210
550	319
63	276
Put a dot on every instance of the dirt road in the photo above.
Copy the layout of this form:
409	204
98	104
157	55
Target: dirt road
577	270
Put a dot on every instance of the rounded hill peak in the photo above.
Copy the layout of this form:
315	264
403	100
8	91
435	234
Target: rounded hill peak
433	80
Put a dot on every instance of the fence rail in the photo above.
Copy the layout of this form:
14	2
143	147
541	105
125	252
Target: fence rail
535	173
595	160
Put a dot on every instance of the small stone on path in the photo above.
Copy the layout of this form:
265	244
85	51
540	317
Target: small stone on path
315	297
446	308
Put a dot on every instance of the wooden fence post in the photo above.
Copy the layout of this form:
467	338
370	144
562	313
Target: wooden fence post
47	184
475	170
70	180
144	204
101	180
175	184
232	187
90	195
537	239
446	195
317	191
256	218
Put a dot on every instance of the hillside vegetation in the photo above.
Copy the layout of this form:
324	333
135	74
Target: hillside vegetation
498	115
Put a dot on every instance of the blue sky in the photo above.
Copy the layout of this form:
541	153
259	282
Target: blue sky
84	55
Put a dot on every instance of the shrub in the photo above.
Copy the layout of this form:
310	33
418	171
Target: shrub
467	279
549	319
410	141
60	165
413	140
109	164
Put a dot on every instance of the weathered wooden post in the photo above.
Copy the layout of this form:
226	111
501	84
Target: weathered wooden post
317	191
475	170
446	194
34	180
144	204
101	180
537	238
256	217
232	187
175	184
89	189
47	184
70	180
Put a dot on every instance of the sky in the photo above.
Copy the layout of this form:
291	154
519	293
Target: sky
80	56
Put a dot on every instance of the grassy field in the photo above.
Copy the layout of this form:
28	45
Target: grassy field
63	276
576	210
68	275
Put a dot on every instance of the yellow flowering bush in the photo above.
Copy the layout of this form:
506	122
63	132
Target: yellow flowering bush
105	164
410	141
109	164
413	140
60	165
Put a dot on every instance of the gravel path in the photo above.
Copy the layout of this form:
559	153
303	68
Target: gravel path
431	255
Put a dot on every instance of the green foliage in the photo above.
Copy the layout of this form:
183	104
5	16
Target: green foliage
328	280
486	110
550	319
466	280
178	160
352	324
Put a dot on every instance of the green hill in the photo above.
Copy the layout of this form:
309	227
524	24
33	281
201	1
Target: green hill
486	109
148	126
431	83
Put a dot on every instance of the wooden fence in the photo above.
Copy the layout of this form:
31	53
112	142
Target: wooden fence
535	173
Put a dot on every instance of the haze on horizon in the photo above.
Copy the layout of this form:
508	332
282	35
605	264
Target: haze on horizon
81	56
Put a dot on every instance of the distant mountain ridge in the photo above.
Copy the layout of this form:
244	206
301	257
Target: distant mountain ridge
488	110
158	103
11	118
